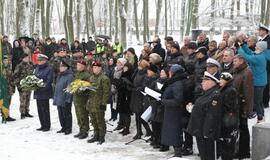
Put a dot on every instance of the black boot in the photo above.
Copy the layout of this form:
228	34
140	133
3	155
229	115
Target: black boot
83	135
119	127
138	136
77	135
164	148
187	151
61	131
40	129
22	116
125	132
94	139
28	115
177	151
68	131
101	140
10	119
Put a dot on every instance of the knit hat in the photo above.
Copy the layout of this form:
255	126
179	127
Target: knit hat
226	76
202	50
262	45
156	57
123	61
192	45
177	68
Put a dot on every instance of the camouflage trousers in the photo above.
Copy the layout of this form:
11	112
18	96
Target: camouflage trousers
82	117
98	122
24	101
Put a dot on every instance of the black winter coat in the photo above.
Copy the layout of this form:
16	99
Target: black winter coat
136	104
160	51
205	119
172	99
230	110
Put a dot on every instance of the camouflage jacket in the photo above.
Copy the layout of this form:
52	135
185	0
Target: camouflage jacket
81	97
22	70
98	99
8	75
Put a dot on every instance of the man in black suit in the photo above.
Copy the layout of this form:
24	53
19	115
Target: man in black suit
264	36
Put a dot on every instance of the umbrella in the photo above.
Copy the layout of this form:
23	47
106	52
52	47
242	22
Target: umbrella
27	39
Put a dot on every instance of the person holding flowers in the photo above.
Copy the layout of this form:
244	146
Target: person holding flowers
22	70
63	99
42	95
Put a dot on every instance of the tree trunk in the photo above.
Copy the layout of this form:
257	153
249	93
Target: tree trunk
182	24
238	14
78	19
247	9
263	5
189	15
136	21
91	8
267	14
105	17
37	17
87	18
145	21
110	15
2	17
116	19
195	14
65	19
166	21
70	22
158	11
123	6
43	23
232	13
47	19
213	15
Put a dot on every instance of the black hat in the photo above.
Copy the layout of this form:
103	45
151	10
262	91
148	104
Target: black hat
76	50
192	45
202	50
153	68
61	49
176	46
65	62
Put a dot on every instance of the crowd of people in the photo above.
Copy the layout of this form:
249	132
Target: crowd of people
208	90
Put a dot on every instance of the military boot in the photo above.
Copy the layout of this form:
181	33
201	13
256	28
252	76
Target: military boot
94	139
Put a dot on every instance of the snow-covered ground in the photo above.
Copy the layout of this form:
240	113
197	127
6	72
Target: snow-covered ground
20	141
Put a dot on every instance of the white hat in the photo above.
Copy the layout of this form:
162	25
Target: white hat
210	61
261	26
123	61
42	56
208	76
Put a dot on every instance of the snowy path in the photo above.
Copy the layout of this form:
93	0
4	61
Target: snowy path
21	141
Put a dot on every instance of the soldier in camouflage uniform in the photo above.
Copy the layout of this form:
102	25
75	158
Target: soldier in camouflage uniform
8	75
22	70
80	101
97	102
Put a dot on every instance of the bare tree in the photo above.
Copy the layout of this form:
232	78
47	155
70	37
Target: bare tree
232	12
158	11
78	18
194	18
123	6
182	24
136	21
145	21
166	17
2	16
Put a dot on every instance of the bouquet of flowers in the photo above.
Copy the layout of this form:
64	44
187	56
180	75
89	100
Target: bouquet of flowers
80	85
31	82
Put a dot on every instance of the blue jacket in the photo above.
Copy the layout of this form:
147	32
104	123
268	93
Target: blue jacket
44	72
62	97
257	63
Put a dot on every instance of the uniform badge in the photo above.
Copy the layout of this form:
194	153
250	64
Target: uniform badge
214	102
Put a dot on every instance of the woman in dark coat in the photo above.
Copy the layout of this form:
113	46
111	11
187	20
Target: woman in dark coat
42	95
230	114
172	99
136	104
124	88
17	53
158	112
63	99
